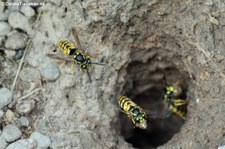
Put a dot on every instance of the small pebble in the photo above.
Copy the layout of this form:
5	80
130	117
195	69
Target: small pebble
43	141
27	11
5	97
3	143
214	21
11	133
24	121
50	71
4	29
2	4
9	115
56	2
19	54
23	144
25	106
221	147
183	7
4	15
17	20
16	40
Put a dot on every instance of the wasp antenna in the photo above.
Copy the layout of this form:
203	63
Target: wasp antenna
102	64
89	75
164	78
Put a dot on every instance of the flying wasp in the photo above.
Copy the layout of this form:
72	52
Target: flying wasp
75	53
137	115
174	104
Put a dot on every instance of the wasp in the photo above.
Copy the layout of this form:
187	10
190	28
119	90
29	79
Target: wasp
137	115
75	53
174	104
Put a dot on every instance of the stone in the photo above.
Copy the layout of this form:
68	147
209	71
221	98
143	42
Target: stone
3	143
25	106
9	115
10	53
19	54
27	10
214	21
4	28
221	147
23	144
43	141
17	20
5	97
4	15
24	121
16	40
50	71
11	133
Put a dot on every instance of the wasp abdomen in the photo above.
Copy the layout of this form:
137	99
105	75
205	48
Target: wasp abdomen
67	47
133	111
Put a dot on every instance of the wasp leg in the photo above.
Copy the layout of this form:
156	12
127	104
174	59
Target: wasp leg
124	112
72	68
134	122
96	63
89	76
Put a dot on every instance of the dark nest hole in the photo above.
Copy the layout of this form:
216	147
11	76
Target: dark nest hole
145	86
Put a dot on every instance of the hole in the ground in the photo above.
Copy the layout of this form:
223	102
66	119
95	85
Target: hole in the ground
145	86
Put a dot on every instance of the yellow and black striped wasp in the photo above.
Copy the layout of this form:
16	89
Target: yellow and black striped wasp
75	53
137	115
174	104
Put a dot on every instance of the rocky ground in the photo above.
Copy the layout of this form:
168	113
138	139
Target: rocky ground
53	104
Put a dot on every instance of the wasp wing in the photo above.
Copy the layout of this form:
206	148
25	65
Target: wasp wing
54	56
77	41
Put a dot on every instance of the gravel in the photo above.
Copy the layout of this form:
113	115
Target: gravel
4	28
23	144
221	147
9	115
19	54
3	143
16	40
4	16
17	20
25	106
43	141
50	71
5	97
24	121
11	133
27	11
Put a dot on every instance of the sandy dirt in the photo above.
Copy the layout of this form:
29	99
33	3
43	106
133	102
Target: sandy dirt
140	42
